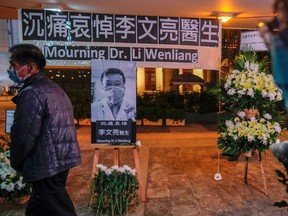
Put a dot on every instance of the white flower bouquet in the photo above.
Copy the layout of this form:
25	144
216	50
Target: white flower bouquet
241	134
249	85
249	96
250	88
115	189
11	182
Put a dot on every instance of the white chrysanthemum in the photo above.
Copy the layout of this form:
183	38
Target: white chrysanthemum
264	141
229	123
126	167
277	128
9	186
121	170
6	171
108	172
10	181
132	172
255	67
250	138
264	93
246	65
231	91
241	92
250	92
20	185
271	96
267	116
101	167
114	167
241	114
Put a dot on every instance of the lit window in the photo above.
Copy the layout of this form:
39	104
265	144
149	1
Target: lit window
150	79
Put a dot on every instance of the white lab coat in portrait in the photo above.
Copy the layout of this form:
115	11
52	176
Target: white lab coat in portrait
100	110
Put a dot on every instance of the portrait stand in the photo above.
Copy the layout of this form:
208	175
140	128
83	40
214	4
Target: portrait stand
116	149
246	161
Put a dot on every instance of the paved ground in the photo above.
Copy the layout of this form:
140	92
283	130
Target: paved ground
178	166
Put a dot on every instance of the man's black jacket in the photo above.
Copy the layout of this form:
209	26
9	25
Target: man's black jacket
43	134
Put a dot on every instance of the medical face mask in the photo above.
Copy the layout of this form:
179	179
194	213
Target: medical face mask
13	75
114	94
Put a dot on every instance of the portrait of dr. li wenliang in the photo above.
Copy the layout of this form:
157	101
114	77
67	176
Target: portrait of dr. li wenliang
111	103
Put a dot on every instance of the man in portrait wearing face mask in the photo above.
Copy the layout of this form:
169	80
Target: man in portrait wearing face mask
44	142
113	106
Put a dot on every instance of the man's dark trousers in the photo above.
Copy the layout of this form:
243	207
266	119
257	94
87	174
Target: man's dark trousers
50	198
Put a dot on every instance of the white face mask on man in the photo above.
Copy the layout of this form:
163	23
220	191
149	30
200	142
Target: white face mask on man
115	94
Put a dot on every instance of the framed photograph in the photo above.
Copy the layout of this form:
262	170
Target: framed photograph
113	105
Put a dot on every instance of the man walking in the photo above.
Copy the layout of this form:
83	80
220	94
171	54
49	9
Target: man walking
44	143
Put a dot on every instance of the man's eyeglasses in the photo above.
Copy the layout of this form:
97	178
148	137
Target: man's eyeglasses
13	68
110	85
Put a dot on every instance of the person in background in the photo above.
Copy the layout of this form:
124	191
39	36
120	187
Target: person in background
112	106
44	143
277	43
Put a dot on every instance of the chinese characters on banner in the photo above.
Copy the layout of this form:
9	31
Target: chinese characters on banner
150	39
113	105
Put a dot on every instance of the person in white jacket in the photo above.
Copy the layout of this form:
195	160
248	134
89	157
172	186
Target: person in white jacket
113	106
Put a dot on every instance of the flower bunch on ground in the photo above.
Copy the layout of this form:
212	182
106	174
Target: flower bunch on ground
11	182
242	134
115	189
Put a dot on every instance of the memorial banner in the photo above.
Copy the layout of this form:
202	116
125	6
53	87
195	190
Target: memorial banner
74	38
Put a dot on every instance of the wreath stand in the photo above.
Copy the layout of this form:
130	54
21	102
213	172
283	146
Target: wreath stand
247	156
116	150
